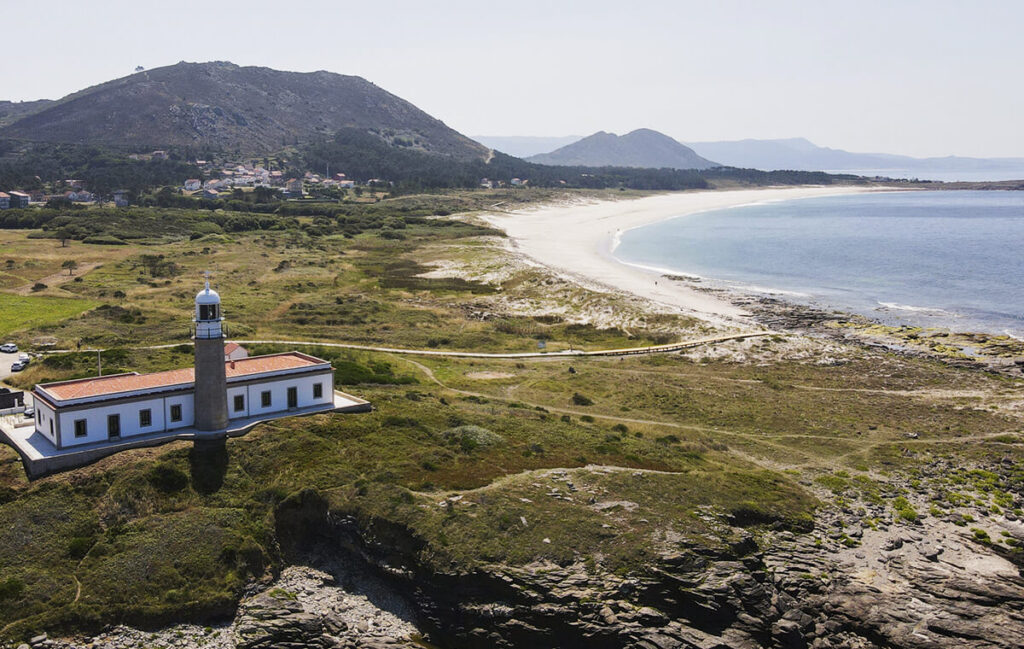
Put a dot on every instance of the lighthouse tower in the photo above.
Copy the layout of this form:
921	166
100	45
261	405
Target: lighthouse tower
211	397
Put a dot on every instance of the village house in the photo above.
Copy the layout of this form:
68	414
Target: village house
192	184
121	198
235	352
18	199
79	196
5	201
211	194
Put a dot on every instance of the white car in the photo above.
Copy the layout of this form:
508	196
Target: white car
8	348
24	358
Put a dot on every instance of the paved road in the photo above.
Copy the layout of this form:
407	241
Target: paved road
5	364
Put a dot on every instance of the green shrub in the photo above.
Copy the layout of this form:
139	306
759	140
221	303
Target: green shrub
981	536
167	478
469	438
11	588
581	400
80	546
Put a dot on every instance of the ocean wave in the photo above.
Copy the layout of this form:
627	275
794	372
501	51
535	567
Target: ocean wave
754	288
659	269
895	306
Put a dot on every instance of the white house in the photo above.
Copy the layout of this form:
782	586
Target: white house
235	352
236	391
120	406
193	184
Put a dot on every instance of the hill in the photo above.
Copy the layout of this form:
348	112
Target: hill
12	111
222	106
802	154
522	146
640	148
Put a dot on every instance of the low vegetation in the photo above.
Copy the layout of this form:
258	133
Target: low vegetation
605	461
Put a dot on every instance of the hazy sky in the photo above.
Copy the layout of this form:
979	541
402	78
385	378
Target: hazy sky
918	78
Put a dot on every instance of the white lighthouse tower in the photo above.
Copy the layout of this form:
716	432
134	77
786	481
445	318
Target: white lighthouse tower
211	397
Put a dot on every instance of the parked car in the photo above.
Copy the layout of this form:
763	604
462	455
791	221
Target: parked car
18	366
24	358
8	348
29	413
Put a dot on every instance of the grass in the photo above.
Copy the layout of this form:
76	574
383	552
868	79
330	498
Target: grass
18	312
464	462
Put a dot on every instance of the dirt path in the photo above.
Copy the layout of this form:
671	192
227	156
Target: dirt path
57	279
575	353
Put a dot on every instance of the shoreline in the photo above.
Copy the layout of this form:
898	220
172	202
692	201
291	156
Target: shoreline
578	239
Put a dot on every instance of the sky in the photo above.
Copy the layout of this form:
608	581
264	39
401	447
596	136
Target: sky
928	78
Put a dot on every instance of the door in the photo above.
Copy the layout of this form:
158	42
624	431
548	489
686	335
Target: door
113	426
293	397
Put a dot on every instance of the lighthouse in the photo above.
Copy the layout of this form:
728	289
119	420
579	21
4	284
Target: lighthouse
211	397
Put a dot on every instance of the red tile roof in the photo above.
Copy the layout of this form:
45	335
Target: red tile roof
108	385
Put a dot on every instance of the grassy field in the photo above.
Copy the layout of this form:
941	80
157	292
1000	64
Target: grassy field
612	461
18	313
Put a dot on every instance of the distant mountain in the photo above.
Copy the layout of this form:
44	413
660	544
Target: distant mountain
522	146
803	155
12	111
640	148
223	106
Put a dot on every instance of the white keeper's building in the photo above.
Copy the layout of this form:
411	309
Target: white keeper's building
218	396
116	407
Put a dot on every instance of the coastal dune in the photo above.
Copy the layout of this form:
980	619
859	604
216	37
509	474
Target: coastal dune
577	239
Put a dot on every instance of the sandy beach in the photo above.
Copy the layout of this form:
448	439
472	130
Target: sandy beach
576	239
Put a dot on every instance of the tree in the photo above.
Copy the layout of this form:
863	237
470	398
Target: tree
63	235
71	265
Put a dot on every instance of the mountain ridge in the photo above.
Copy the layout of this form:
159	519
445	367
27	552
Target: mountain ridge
802	154
223	106
644	148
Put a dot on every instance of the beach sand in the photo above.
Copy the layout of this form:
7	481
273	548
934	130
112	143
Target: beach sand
576	239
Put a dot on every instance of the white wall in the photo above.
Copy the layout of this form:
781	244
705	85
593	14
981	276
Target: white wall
44	415
96	419
279	394
232	393
160	409
188	412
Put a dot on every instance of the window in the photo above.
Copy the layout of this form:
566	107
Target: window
265	398
176	412
81	428
51	428
207	311
113	425
318	390
239	402
145	418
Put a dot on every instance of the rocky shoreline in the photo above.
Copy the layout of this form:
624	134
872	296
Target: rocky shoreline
865	576
977	350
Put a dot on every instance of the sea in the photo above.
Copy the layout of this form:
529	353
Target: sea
948	259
